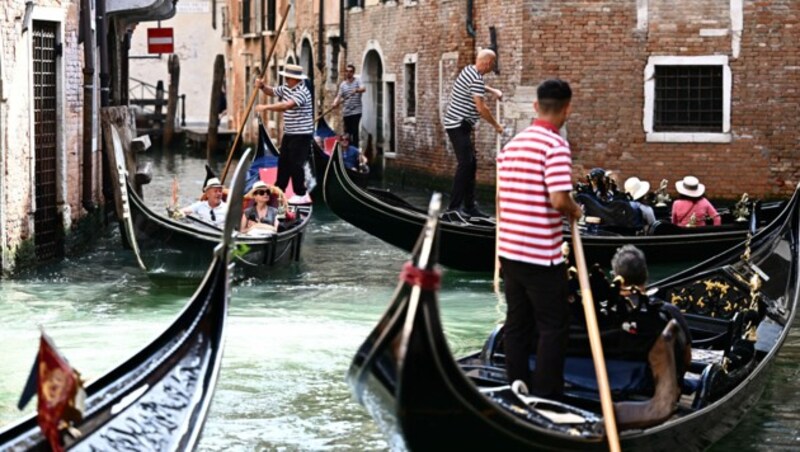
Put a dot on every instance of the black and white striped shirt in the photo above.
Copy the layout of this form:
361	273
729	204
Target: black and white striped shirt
462	106
298	120
352	99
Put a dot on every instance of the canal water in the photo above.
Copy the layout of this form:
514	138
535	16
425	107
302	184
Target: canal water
290	335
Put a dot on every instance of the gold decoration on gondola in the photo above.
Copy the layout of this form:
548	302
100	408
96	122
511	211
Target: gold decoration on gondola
714	297
662	197
755	286
746	253
742	209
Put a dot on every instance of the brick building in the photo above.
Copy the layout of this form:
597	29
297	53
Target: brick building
662	88
249	28
40	126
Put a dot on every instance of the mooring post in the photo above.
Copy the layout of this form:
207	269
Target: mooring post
213	116
174	66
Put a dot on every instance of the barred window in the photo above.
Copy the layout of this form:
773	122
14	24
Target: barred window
411	90
688	99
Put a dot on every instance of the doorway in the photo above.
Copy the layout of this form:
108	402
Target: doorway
372	117
307	63
48	227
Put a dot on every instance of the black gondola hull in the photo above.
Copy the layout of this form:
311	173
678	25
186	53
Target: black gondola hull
423	399
471	247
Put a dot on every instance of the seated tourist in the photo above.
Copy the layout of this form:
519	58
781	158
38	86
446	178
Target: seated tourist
260	216
636	189
213	209
353	158
691	208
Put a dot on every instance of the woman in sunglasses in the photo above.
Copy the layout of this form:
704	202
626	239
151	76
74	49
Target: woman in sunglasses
260	217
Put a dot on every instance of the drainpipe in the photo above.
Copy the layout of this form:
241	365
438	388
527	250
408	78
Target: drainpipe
470	18
88	104
102	43
321	38
342	37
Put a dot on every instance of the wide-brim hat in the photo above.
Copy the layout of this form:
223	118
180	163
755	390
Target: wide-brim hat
293	71
690	186
636	188
212	183
259	185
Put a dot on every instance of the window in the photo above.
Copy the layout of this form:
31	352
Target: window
271	13
410	87
226	23
687	99
247	13
411	90
354	4
332	50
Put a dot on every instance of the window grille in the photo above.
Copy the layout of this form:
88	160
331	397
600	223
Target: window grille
411	90
688	98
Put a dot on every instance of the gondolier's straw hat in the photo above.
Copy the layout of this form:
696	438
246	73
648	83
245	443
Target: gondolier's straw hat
212	183
690	186
293	71
636	188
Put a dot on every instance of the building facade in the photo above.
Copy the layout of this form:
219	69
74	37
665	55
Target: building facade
310	38
662	88
41	110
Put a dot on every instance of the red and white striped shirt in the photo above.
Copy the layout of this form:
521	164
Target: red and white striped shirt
532	165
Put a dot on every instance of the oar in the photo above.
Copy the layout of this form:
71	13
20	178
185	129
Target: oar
496	281
321	115
255	92
594	340
332	107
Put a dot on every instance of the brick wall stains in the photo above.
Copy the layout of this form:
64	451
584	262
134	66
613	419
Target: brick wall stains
17	179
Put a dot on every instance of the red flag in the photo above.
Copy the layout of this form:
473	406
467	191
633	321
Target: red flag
58	385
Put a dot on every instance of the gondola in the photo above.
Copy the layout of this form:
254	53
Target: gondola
181	247
423	399
159	398
469	244
320	159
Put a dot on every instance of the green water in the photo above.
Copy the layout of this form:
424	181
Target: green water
290	335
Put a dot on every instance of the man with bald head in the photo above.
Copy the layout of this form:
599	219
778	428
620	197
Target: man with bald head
466	106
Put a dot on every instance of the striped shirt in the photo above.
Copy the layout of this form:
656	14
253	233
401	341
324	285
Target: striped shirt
534	164
351	99
462	106
298	120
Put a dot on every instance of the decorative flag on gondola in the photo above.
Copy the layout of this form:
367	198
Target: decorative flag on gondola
60	392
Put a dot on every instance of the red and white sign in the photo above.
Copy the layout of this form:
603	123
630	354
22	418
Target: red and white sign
159	40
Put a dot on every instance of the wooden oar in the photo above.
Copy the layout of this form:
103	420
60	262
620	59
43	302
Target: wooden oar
255	93
496	280
594	340
332	107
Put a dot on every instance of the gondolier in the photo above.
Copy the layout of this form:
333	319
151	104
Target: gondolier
350	91
534	186
295	103
466	106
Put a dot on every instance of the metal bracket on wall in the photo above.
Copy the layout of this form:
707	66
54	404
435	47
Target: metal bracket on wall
26	20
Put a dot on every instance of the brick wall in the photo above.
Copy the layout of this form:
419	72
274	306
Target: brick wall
17	179
301	25
601	48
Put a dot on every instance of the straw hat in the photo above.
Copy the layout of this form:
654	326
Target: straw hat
690	186
259	185
636	188
212	182
293	71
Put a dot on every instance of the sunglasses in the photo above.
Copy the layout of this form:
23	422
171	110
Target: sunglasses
213	217
260	192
